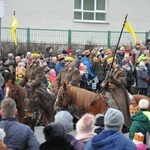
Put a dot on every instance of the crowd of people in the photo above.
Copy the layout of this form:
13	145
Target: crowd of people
97	70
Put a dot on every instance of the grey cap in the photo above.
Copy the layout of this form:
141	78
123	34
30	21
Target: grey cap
113	119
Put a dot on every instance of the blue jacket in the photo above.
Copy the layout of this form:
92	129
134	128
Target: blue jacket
18	135
58	67
110	140
87	63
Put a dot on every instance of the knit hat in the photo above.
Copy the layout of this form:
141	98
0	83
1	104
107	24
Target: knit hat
113	119
66	119
144	104
85	128
68	51
138	138
85	124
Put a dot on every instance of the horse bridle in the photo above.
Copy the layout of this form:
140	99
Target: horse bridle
61	98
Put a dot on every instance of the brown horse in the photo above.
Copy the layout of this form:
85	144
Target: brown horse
28	110
85	100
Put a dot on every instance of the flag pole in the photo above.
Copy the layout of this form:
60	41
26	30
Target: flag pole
119	40
14	42
110	71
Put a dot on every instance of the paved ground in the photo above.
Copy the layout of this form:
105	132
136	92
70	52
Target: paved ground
40	136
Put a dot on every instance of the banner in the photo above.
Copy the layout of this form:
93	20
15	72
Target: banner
13	29
129	28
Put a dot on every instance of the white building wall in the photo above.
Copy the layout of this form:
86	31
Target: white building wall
58	14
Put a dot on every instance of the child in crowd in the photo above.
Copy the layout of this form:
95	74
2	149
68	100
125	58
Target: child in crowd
85	78
20	72
85	128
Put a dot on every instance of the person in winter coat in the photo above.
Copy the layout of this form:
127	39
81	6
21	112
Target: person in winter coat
116	92
68	74
18	135
55	137
33	78
99	123
139	123
129	74
60	64
87	63
85	82
142	78
66	119
111	138
99	66
85	128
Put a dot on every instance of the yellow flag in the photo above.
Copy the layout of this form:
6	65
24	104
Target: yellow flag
129	28
14	25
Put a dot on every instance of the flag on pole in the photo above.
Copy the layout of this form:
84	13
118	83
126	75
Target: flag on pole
14	25
129	28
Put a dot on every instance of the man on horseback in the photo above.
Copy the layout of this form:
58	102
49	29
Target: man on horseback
33	79
69	73
115	91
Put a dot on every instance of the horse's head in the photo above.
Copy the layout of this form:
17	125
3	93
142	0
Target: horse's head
62	100
10	89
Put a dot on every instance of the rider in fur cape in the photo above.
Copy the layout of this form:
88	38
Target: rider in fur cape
116	93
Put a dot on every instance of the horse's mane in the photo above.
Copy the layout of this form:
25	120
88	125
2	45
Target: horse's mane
83	95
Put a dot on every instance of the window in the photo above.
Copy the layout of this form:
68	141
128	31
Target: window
90	10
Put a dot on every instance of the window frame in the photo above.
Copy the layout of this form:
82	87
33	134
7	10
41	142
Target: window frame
94	11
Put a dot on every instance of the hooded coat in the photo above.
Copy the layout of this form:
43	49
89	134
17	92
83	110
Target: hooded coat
119	92
110	140
140	123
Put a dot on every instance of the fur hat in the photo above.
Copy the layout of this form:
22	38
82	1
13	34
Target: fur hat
113	119
66	119
86	124
144	104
